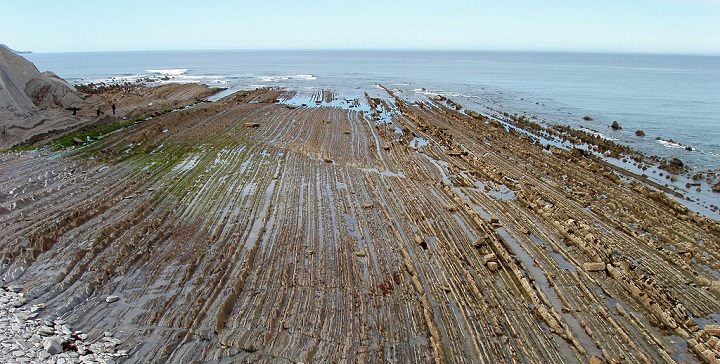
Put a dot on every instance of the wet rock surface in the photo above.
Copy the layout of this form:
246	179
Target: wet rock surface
253	229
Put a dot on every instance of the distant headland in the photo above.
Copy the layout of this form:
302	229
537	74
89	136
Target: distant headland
14	51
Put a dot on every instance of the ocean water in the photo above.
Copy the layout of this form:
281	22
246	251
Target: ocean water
674	97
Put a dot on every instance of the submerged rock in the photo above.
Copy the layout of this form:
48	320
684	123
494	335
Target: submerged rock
640	133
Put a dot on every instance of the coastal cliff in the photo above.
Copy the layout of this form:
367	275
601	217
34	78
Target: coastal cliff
23	88
34	102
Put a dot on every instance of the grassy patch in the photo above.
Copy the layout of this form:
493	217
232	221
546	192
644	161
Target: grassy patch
94	133
19	148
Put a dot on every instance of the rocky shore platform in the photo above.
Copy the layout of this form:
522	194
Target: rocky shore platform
270	226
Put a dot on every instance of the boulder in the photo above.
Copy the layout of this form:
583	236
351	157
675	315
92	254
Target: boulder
111	299
640	133
489	258
615	125
674	165
52	346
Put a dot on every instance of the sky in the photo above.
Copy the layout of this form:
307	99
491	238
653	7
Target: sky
655	26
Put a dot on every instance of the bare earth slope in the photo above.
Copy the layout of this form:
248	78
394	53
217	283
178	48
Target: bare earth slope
250	230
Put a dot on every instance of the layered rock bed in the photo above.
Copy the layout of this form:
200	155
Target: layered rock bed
262	229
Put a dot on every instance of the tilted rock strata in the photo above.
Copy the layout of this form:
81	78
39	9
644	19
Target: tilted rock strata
246	230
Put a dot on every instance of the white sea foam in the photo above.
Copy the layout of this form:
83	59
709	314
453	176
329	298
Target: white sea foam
598	134
170	71
668	144
424	91
194	79
116	79
287	78
269	79
164	76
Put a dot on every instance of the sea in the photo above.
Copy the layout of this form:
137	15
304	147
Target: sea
673	99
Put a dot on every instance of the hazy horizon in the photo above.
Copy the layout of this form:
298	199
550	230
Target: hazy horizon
644	26
558	51
550	51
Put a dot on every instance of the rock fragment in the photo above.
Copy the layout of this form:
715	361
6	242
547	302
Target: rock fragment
46	331
13	288
713	330
594	266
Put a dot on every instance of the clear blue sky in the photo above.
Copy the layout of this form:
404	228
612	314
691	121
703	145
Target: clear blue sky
666	26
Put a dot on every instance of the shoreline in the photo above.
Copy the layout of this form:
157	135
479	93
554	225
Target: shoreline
482	81
675	180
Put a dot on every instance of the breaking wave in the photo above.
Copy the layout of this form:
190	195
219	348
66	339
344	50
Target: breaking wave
170	71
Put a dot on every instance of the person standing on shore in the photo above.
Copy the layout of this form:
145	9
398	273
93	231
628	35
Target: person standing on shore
113	108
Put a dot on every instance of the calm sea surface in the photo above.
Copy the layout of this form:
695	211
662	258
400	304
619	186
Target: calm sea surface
668	96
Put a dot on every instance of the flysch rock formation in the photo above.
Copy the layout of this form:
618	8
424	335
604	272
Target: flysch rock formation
34	102
265	227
